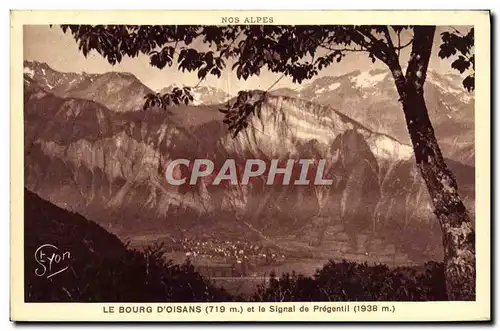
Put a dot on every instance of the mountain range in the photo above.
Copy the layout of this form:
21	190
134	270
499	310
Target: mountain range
90	148
118	91
372	99
203	95
368	97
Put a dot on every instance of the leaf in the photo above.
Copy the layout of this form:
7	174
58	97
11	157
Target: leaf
469	83
239	72
202	73
461	64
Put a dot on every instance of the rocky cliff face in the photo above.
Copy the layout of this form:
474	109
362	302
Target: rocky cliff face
109	166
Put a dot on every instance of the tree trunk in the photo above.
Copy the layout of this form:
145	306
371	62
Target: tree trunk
456	225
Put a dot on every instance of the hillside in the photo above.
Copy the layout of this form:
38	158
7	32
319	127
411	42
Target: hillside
95	266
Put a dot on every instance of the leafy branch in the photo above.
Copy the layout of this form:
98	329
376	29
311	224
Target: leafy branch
248	103
289	50
461	47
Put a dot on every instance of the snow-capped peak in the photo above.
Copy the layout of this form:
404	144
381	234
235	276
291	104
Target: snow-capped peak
202	95
28	71
366	79
451	84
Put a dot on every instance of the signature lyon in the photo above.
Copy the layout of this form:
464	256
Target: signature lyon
51	261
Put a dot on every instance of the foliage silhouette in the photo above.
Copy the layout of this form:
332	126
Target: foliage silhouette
456	43
351	281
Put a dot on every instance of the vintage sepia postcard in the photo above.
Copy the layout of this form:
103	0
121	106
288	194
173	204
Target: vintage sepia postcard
250	166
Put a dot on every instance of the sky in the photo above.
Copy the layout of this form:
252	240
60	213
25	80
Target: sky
60	51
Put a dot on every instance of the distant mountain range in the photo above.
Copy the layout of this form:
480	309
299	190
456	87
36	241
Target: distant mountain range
371	98
367	97
119	91
203	95
90	148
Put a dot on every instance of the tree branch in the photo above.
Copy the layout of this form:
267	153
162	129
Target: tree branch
404	46
276	82
199	82
376	47
343	49
420	55
392	60
221	53
372	38
176	42
454	29
175	47
388	37
399	43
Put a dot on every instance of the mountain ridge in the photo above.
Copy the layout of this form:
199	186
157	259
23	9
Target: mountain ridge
354	94
109	166
371	98
121	92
